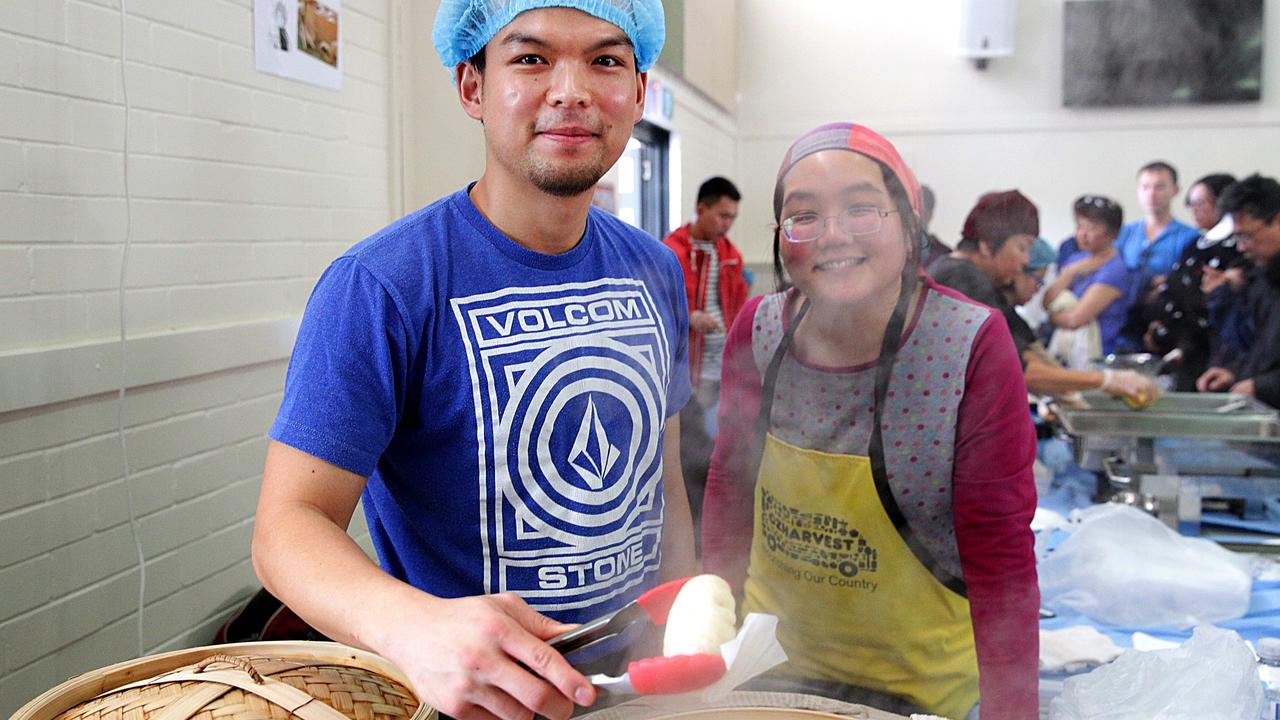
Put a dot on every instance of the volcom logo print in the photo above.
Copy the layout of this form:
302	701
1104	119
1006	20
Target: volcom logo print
570	394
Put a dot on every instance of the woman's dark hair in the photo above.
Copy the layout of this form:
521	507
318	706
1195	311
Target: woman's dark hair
911	228
996	217
1100	208
1216	182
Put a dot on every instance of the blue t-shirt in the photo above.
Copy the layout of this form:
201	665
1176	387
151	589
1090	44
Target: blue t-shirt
1115	274
506	405
1158	258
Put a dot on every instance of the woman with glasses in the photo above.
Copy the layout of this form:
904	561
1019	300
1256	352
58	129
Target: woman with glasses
1095	275
871	484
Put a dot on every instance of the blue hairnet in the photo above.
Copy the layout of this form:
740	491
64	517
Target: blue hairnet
463	27
1042	255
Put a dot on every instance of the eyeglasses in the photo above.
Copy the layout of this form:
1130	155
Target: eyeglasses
1098	201
1033	277
857	220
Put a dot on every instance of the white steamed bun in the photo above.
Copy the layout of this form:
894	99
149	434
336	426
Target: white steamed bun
702	617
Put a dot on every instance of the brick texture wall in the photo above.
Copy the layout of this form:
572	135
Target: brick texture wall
243	186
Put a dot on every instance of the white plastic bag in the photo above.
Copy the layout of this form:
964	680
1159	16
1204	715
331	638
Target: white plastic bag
1212	676
1123	567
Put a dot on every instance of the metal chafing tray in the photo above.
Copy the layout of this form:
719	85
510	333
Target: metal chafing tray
1101	426
1215	445
1179	403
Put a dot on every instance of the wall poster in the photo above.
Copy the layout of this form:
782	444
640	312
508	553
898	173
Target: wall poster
299	39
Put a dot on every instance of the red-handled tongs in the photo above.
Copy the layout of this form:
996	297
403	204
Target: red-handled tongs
650	676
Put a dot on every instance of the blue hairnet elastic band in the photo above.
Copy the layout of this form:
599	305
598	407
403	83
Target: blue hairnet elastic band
463	27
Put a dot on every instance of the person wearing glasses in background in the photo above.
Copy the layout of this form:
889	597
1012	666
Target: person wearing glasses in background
990	256
875	455
1027	285
1095	276
1254	206
1195	309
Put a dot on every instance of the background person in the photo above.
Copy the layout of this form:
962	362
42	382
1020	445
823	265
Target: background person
1194	310
893	487
994	247
715	288
1151	245
447	366
934	247
1029	284
998	220
1096	274
1254	206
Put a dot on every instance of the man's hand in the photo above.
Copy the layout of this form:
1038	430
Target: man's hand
1215	379
1211	279
704	322
1244	387
464	657
1236	278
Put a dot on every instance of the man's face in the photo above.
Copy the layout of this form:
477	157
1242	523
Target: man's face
714	220
1156	190
1007	262
558	99
1259	240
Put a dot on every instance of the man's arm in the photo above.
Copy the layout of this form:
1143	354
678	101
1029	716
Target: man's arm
677	524
1266	387
460	655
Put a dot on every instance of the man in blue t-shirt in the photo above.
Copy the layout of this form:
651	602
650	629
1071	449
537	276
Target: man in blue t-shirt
497	376
1153	245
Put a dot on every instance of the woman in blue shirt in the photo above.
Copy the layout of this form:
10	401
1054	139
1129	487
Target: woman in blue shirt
1096	273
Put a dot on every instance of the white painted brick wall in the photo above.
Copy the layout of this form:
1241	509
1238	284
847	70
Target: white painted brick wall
244	186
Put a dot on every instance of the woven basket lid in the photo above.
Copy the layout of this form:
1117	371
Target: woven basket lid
309	681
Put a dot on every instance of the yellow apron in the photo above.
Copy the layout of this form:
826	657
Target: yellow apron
855	605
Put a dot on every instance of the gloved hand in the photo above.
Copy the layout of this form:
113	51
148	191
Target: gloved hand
1137	390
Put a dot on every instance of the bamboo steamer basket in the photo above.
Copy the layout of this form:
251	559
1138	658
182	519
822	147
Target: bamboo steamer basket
242	681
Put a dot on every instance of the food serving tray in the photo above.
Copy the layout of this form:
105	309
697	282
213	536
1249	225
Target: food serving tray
1101	426
1179	403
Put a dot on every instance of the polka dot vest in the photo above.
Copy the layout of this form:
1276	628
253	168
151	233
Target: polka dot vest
832	410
